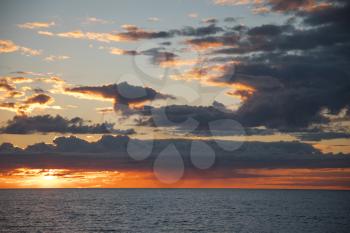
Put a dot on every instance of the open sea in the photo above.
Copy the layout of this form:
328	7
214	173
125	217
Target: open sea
174	210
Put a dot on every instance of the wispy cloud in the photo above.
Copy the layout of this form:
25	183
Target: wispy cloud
265	6
46	33
94	20
153	19
30	52
134	33
210	20
193	15
118	51
8	46
56	58
235	2
35	25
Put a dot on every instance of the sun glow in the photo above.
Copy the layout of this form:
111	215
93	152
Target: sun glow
335	178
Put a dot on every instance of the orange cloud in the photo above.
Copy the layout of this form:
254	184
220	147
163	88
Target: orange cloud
178	63
204	45
210	75
131	33
265	6
46	33
35	25
7	46
118	51
8	86
27	104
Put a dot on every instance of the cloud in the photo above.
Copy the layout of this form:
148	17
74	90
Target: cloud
210	42
52	58
159	55
29	52
177	62
110	153
57	124
234	2
153	19
118	51
38	99
5	86
199	31
94	20
285	66
281	6
261	10
318	136
46	33
193	15
269	30
133	33
27	105
123	95
7	46
35	25
291	5
230	19
210	21
180	115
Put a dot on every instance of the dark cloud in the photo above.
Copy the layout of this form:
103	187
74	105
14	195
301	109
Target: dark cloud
200	31
47	123
23	107
38	99
336	14
159	55
179	116
290	96
268	30
210	21
9	148
135	33
230	19
5	86
296	72
110	153
123	94
318	136
226	39
291	5
166	43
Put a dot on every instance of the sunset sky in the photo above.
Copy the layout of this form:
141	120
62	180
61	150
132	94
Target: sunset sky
184	93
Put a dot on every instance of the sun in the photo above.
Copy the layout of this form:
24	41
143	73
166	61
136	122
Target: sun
49	178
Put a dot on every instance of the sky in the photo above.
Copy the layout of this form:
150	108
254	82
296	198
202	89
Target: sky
185	93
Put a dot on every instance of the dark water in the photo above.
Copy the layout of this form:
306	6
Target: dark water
174	210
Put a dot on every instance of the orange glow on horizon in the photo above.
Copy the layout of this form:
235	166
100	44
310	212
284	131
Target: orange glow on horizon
334	178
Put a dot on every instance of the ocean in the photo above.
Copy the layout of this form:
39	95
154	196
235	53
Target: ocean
174	210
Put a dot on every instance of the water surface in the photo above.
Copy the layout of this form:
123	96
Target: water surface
174	210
